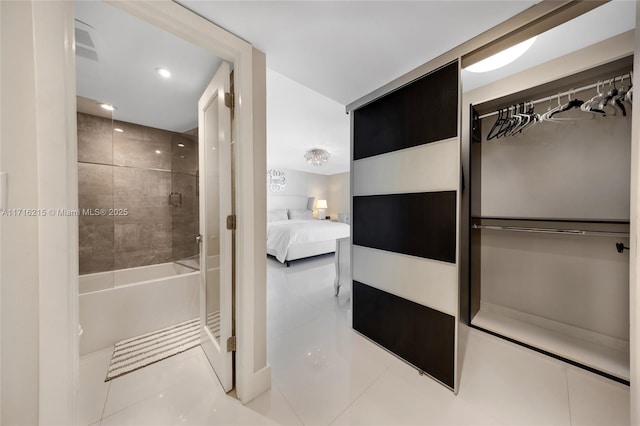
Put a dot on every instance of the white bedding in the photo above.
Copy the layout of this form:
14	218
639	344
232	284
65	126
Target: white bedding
281	235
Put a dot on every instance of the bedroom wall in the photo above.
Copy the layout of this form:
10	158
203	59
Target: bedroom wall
333	188
303	183
338	195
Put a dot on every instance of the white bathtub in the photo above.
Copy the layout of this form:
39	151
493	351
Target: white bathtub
125	303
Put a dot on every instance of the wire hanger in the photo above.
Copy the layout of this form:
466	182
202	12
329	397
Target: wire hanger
592	105
573	103
629	95
496	126
516	119
618	97
550	111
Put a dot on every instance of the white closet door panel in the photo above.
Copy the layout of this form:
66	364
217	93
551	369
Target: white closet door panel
424	281
430	167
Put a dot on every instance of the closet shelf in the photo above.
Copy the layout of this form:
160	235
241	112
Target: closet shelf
551	230
553	338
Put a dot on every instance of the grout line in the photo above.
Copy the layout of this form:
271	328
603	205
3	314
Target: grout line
566	378
166	386
288	403
104	406
362	393
129	403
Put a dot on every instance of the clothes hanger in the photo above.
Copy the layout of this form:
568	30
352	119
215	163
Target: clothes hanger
534	118
629	95
505	124
519	118
619	97
510	123
609	100
573	103
550	111
592	104
523	118
496	126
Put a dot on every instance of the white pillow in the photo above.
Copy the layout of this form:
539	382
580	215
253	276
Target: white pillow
300	214
277	214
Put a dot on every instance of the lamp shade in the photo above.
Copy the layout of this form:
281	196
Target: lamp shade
321	204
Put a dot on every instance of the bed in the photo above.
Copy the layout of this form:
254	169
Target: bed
293	234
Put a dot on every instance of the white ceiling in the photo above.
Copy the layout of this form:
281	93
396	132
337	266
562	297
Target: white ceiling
129	50
321	55
299	119
346	49
604	22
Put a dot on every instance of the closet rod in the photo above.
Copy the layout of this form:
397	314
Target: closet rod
560	95
551	230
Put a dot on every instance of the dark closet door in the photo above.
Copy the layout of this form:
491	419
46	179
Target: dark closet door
405	199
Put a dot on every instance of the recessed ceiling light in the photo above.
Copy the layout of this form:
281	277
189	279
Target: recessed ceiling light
503	58
163	72
158	151
118	129
108	107
181	145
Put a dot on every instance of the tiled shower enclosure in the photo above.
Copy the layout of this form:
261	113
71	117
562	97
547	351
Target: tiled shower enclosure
138	194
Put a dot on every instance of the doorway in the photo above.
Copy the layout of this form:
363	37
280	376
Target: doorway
249	127
139	195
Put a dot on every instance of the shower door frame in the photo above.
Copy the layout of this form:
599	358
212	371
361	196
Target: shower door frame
216	348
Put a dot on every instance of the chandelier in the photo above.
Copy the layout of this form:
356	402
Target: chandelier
317	157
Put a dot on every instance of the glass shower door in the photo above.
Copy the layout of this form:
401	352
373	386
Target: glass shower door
184	199
216	294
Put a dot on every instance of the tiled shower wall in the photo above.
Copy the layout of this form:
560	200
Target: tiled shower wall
135	170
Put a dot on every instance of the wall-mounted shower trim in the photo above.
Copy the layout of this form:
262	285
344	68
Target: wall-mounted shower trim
175	199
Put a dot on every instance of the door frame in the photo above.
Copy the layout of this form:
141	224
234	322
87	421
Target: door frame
56	140
253	373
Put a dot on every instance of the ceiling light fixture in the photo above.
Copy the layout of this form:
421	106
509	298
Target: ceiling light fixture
158	151
503	58
317	157
108	107
181	145
163	72
118	129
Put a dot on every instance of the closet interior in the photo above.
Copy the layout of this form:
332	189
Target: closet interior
549	217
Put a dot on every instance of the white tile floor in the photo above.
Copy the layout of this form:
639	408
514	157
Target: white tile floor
325	373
